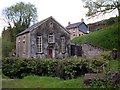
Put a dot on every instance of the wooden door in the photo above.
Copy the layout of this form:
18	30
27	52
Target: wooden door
50	52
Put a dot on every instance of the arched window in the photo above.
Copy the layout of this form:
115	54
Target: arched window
39	44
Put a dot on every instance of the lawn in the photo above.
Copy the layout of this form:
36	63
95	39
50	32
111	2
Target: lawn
42	82
114	65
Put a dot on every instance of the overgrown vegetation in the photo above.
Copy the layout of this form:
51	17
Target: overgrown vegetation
21	15
65	69
107	38
103	84
53	71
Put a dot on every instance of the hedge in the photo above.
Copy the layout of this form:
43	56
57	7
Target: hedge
65	68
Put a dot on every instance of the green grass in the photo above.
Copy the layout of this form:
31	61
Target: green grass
114	65
107	38
42	82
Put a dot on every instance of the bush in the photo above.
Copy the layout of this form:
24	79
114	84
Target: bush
102	84
66	68
99	63
100	80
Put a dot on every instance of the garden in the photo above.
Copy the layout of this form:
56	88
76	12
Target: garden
56	73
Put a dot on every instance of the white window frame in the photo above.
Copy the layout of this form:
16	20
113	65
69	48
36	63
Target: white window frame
39	44
53	39
63	44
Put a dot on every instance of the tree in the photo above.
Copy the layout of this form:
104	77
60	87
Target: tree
21	14
97	7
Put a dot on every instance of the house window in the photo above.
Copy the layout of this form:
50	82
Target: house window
63	44
39	44
79	34
51	38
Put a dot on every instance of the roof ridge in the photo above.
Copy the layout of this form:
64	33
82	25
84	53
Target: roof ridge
76	23
34	26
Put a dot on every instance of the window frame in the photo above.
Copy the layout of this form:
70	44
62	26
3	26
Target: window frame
63	47
53	38
39	44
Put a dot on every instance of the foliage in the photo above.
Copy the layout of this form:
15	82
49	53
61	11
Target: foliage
8	43
65	69
110	80
101	6
103	84
5	77
21	15
114	65
107	38
43	82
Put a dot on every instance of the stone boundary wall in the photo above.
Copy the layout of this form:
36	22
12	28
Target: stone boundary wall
90	51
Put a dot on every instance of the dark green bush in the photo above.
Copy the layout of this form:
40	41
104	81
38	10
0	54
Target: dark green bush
66	68
103	84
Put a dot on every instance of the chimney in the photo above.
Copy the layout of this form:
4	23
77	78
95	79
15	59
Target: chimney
68	23
82	20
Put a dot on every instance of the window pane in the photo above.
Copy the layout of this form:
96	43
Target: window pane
39	43
51	39
63	44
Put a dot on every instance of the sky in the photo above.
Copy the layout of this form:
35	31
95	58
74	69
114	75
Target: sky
63	11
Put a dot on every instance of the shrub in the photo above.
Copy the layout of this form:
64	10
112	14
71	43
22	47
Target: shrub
98	64
100	80
101	84
66	68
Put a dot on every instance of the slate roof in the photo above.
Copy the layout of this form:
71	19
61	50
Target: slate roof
74	25
79	26
33	27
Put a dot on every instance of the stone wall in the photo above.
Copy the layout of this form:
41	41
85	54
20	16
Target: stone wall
90	51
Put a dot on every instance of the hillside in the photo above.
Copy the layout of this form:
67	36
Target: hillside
107	38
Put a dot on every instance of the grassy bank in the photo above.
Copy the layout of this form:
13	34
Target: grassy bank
107	38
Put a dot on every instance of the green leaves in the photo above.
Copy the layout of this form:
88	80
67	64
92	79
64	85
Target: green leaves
95	8
65	69
21	13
